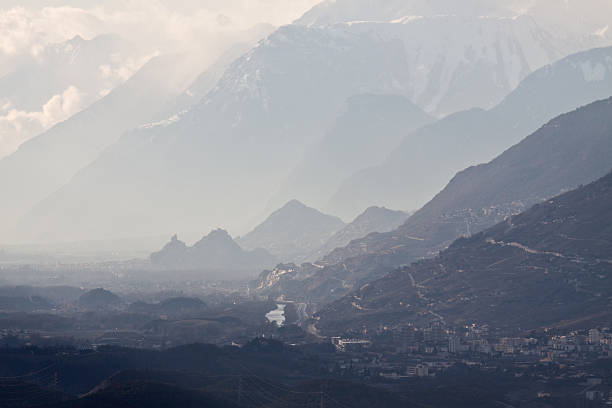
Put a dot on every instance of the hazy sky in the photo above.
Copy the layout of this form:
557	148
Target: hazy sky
203	28
165	24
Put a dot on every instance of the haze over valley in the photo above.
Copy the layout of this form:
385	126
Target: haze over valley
336	203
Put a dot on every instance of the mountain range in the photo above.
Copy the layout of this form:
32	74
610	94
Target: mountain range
201	166
555	15
271	106
293	232
50	84
373	219
46	162
427	158
572	149
471	54
366	129
216	255
546	267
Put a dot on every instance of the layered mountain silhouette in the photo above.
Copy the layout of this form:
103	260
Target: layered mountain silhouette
243	138
293	232
548	266
55	82
46	162
215	253
507	40
427	158
572	149
365	131
374	219
241	142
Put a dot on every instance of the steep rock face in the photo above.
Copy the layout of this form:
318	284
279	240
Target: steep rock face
572	149
427	158
292	232
215	253
374	219
271	278
554	257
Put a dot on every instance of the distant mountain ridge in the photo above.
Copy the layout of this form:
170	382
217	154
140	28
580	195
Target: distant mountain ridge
373	219
428	157
558	27
554	257
217	255
293	232
572	149
237	142
46	162
367	128
59	80
241	142
557	16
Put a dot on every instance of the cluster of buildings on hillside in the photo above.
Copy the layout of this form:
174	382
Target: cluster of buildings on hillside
440	340
406	352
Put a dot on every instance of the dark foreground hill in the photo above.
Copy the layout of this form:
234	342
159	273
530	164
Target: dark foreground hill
97	299
265	373
551	265
146	394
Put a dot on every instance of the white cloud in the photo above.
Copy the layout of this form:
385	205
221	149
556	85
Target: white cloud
157	24
602	32
120	69
17	126
24	31
202	28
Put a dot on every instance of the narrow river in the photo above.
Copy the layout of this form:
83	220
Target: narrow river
277	315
